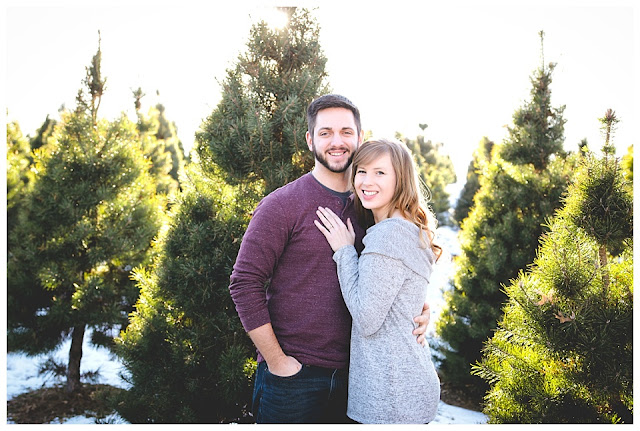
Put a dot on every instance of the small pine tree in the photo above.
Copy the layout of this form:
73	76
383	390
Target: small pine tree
499	237
435	170
168	132
563	352
185	352
19	176
89	219
43	134
163	149
481	157
21	299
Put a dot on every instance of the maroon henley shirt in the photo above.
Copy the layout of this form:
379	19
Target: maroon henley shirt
285	274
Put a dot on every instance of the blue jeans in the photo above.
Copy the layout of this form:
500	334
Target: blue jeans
313	395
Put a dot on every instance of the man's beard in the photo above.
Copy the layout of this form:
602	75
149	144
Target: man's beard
324	162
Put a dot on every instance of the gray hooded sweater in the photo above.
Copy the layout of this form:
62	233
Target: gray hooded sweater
391	377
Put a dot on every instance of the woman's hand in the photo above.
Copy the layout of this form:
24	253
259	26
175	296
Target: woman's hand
337	233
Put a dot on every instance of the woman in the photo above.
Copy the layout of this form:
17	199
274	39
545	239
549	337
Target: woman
391	377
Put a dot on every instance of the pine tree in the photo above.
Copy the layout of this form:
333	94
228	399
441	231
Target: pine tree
185	354
185	351
89	219
168	132
160	145
481	157
563	352
435	170
500	235
257	132
43	134
19	176
19	182
627	166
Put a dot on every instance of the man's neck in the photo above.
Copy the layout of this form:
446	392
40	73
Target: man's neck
338	182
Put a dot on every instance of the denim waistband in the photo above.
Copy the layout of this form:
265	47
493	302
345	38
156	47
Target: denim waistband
322	371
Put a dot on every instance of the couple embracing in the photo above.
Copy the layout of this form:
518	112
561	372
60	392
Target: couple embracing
330	283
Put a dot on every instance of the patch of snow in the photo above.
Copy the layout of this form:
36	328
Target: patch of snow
443	272
111	419
447	414
22	370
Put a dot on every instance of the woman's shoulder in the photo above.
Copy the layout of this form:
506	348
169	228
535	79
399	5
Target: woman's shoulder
399	239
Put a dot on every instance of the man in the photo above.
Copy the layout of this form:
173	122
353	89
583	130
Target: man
285	286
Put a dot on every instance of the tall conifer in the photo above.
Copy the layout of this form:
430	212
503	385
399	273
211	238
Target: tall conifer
519	189
257	132
481	157
563	352
185	351
89	219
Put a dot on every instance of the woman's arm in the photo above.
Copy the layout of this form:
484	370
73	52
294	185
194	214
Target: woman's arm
339	236
369	286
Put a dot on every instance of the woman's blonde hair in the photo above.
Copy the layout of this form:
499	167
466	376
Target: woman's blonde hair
410	195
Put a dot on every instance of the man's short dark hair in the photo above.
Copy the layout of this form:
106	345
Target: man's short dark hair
331	101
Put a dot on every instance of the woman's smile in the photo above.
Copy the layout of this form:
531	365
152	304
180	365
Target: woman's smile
375	184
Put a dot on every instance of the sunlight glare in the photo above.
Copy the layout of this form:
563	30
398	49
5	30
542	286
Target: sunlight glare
275	18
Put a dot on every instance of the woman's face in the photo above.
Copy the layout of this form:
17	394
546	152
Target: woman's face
375	184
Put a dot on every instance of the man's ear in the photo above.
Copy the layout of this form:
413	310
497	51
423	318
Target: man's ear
309	140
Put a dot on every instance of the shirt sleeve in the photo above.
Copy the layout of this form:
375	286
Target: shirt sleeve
262	245
369	286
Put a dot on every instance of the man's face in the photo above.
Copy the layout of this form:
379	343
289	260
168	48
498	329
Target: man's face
335	139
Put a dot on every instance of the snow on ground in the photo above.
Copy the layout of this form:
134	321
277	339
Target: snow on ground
22	370
22	373
443	271
22	376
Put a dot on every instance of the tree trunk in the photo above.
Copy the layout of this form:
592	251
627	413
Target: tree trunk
75	356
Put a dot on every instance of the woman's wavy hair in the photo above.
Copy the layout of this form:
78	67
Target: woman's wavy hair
411	195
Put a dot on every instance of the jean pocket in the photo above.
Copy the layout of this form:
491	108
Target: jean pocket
291	377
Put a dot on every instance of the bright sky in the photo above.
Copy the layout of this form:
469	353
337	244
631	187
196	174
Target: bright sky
461	67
